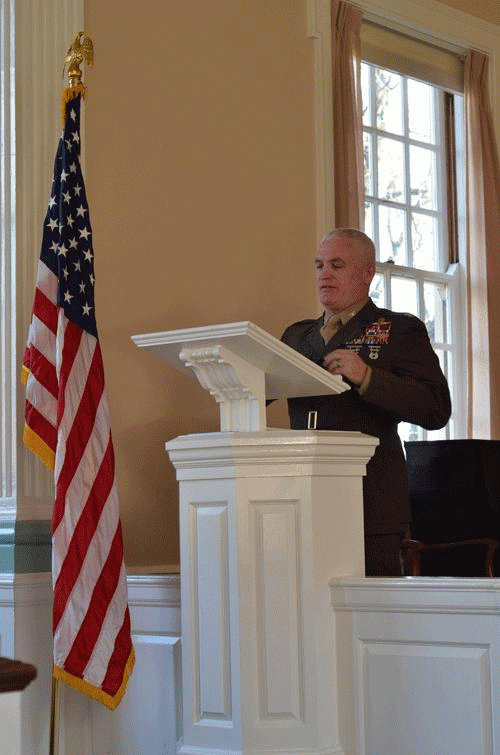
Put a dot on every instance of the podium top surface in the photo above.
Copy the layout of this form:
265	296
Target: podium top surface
288	374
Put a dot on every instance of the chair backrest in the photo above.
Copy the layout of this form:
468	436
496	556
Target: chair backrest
454	489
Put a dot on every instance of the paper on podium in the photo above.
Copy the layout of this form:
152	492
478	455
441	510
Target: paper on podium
287	373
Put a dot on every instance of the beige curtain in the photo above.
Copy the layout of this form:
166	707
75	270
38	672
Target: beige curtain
483	235
348	181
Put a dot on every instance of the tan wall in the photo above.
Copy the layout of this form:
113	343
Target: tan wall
488	10
199	171
200	176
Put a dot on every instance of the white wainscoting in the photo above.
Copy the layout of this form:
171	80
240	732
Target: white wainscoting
147	721
419	665
26	635
418	668
10	723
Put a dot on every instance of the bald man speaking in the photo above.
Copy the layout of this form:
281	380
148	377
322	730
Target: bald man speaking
393	374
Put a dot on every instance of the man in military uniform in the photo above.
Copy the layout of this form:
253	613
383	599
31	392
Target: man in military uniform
393	374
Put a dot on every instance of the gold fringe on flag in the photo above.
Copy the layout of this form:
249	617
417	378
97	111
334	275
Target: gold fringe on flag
90	690
70	93
38	446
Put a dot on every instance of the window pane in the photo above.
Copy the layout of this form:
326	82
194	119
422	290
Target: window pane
449	370
423	178
444	432
424	238
377	290
435	312
409	432
392	235
421	111
443	360
391	169
366	94
368	163
404	295
389	101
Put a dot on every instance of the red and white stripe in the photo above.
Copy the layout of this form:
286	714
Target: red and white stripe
42	386
67	409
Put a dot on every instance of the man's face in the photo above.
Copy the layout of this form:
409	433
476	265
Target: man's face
344	272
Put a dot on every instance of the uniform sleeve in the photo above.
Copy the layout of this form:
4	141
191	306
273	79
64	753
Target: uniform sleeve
411	384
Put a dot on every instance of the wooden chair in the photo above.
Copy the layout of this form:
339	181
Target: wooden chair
412	550
455	504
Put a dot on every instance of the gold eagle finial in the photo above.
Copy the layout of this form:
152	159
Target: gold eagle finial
82	50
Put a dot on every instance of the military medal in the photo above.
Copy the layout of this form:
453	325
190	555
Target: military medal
375	336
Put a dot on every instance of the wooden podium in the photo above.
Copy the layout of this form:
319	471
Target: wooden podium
267	517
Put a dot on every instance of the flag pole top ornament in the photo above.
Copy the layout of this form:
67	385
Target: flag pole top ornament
81	51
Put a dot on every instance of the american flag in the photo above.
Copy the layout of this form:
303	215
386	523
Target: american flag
67	425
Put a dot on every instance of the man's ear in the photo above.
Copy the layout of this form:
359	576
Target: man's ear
369	272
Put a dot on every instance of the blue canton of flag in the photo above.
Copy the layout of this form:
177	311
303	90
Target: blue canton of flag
67	238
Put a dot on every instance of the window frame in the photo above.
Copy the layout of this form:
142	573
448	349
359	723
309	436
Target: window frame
445	26
450	274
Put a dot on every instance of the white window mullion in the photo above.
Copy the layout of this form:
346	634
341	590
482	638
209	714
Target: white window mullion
441	178
373	139
420	296
388	288
406	131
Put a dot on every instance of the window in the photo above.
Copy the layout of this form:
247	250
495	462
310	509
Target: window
411	164
432	42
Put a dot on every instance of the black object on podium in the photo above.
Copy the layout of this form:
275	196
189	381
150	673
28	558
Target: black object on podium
455	496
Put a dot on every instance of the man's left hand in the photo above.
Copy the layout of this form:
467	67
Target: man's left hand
347	363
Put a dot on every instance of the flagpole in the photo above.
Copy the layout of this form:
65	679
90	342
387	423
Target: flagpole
80	51
54	718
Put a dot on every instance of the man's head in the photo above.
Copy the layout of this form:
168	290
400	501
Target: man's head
345	266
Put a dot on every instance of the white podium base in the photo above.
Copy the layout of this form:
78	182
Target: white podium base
267	519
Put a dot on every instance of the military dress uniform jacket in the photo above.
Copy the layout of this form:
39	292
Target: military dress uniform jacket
406	384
